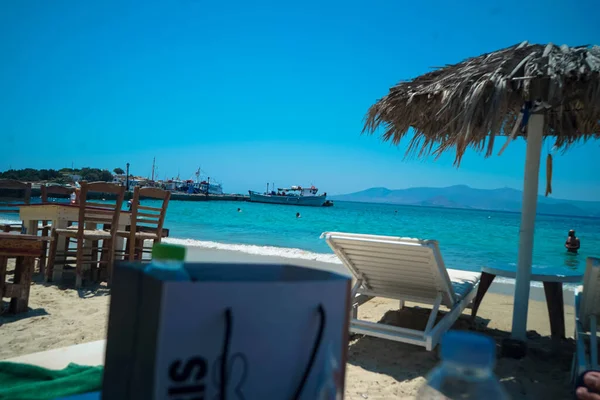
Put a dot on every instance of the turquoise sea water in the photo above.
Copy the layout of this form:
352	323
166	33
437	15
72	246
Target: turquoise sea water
468	239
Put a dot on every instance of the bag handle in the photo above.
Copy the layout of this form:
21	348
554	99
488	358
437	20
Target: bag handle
309	366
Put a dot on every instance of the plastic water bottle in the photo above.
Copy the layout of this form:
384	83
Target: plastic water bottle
167	263
466	370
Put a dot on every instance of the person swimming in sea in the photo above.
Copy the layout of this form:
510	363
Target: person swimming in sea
572	244
298	215
239	209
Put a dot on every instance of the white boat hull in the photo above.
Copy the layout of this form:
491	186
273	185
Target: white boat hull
311	201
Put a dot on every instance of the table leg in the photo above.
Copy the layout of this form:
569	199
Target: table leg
556	312
23	273
484	284
61	241
88	253
120	242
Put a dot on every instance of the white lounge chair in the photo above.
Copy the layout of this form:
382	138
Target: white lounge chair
587	313
407	270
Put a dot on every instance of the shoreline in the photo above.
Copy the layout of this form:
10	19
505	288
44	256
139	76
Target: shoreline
211	251
500	286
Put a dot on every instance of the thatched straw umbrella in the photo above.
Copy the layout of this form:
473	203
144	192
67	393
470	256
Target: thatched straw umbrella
533	91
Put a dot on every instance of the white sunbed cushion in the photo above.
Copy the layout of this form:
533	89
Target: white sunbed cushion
463	282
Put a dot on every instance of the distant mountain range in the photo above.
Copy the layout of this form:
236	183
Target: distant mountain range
462	196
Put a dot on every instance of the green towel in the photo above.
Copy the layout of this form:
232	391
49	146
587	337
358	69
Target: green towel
25	381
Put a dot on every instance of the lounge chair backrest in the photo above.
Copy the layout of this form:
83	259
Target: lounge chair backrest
590	301
412	268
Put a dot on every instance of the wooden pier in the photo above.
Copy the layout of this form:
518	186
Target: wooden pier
36	192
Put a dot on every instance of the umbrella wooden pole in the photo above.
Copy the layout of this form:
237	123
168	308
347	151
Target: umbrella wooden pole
530	192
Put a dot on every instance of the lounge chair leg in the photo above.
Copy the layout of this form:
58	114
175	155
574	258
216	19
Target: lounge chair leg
355	312
434	312
401	304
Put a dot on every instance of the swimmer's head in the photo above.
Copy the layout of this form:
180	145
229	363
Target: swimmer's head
572	233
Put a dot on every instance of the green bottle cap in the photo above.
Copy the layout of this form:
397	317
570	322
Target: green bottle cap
164	251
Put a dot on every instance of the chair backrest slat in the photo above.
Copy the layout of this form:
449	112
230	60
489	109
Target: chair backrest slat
154	193
148	208
148	215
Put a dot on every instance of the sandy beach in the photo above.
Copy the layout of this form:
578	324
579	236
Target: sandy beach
377	369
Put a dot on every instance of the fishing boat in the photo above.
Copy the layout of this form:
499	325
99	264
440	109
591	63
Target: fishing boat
201	186
210	187
295	196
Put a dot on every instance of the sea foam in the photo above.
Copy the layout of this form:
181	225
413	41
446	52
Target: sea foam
258	250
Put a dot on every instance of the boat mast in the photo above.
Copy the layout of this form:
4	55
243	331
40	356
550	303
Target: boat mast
153	166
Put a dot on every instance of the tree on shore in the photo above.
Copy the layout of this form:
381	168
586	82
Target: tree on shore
60	176
118	171
31	175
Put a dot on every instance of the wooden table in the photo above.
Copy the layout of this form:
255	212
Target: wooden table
60	214
25	249
553	289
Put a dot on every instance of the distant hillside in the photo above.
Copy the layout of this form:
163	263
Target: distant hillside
462	196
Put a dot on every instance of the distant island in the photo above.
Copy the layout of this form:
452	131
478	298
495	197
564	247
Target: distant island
462	196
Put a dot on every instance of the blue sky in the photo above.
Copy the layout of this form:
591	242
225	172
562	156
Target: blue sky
256	92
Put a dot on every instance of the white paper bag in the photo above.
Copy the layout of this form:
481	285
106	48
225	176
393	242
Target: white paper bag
282	330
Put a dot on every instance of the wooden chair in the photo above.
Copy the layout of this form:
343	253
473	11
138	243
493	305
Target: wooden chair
48	192
62	192
8	205
146	222
90	214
